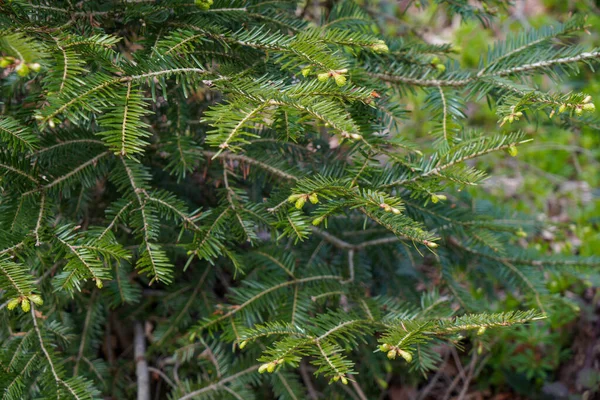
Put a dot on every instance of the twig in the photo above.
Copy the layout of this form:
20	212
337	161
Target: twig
141	365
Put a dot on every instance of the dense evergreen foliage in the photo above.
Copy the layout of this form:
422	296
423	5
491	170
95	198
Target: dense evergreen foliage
231	181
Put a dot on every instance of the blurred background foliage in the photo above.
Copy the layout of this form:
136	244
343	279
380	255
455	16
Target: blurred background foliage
556	179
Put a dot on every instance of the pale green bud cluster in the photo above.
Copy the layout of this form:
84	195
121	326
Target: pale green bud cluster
585	105
269	367
512	117
393	351
338	76
25	302
380	47
388	208
437	63
21	68
342	378
436	198
203	4
300	200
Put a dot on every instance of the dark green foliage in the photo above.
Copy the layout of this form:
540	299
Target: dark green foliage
238	177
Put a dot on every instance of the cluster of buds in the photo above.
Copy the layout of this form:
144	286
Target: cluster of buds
21	68
269	367
51	122
354	136
25	302
380	47
512	117
586	105
388	208
394	351
301	199
203	4
342	378
436	198
437	64
338	76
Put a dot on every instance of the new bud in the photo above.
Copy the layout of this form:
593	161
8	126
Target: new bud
300	203
380	47
512	150
22	70
294	197
392	354
589	107
5	62
440	67
25	306
263	368
317	221
243	344
340	80
12	304
35	67
323	77
36	299
406	355
562	108
578	110
271	367
313	198
306	71
344	380
481	330
587	99
385	347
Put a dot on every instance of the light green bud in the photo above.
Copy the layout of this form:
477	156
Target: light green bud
317	221
313	198
512	150
481	330
5	62
306	71
562	108
263	368
35	67
25	305
13	303
406	355
380	47
294	197
300	203
392	354
22	70
589	107
340	80
323	77
344	380
36	299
